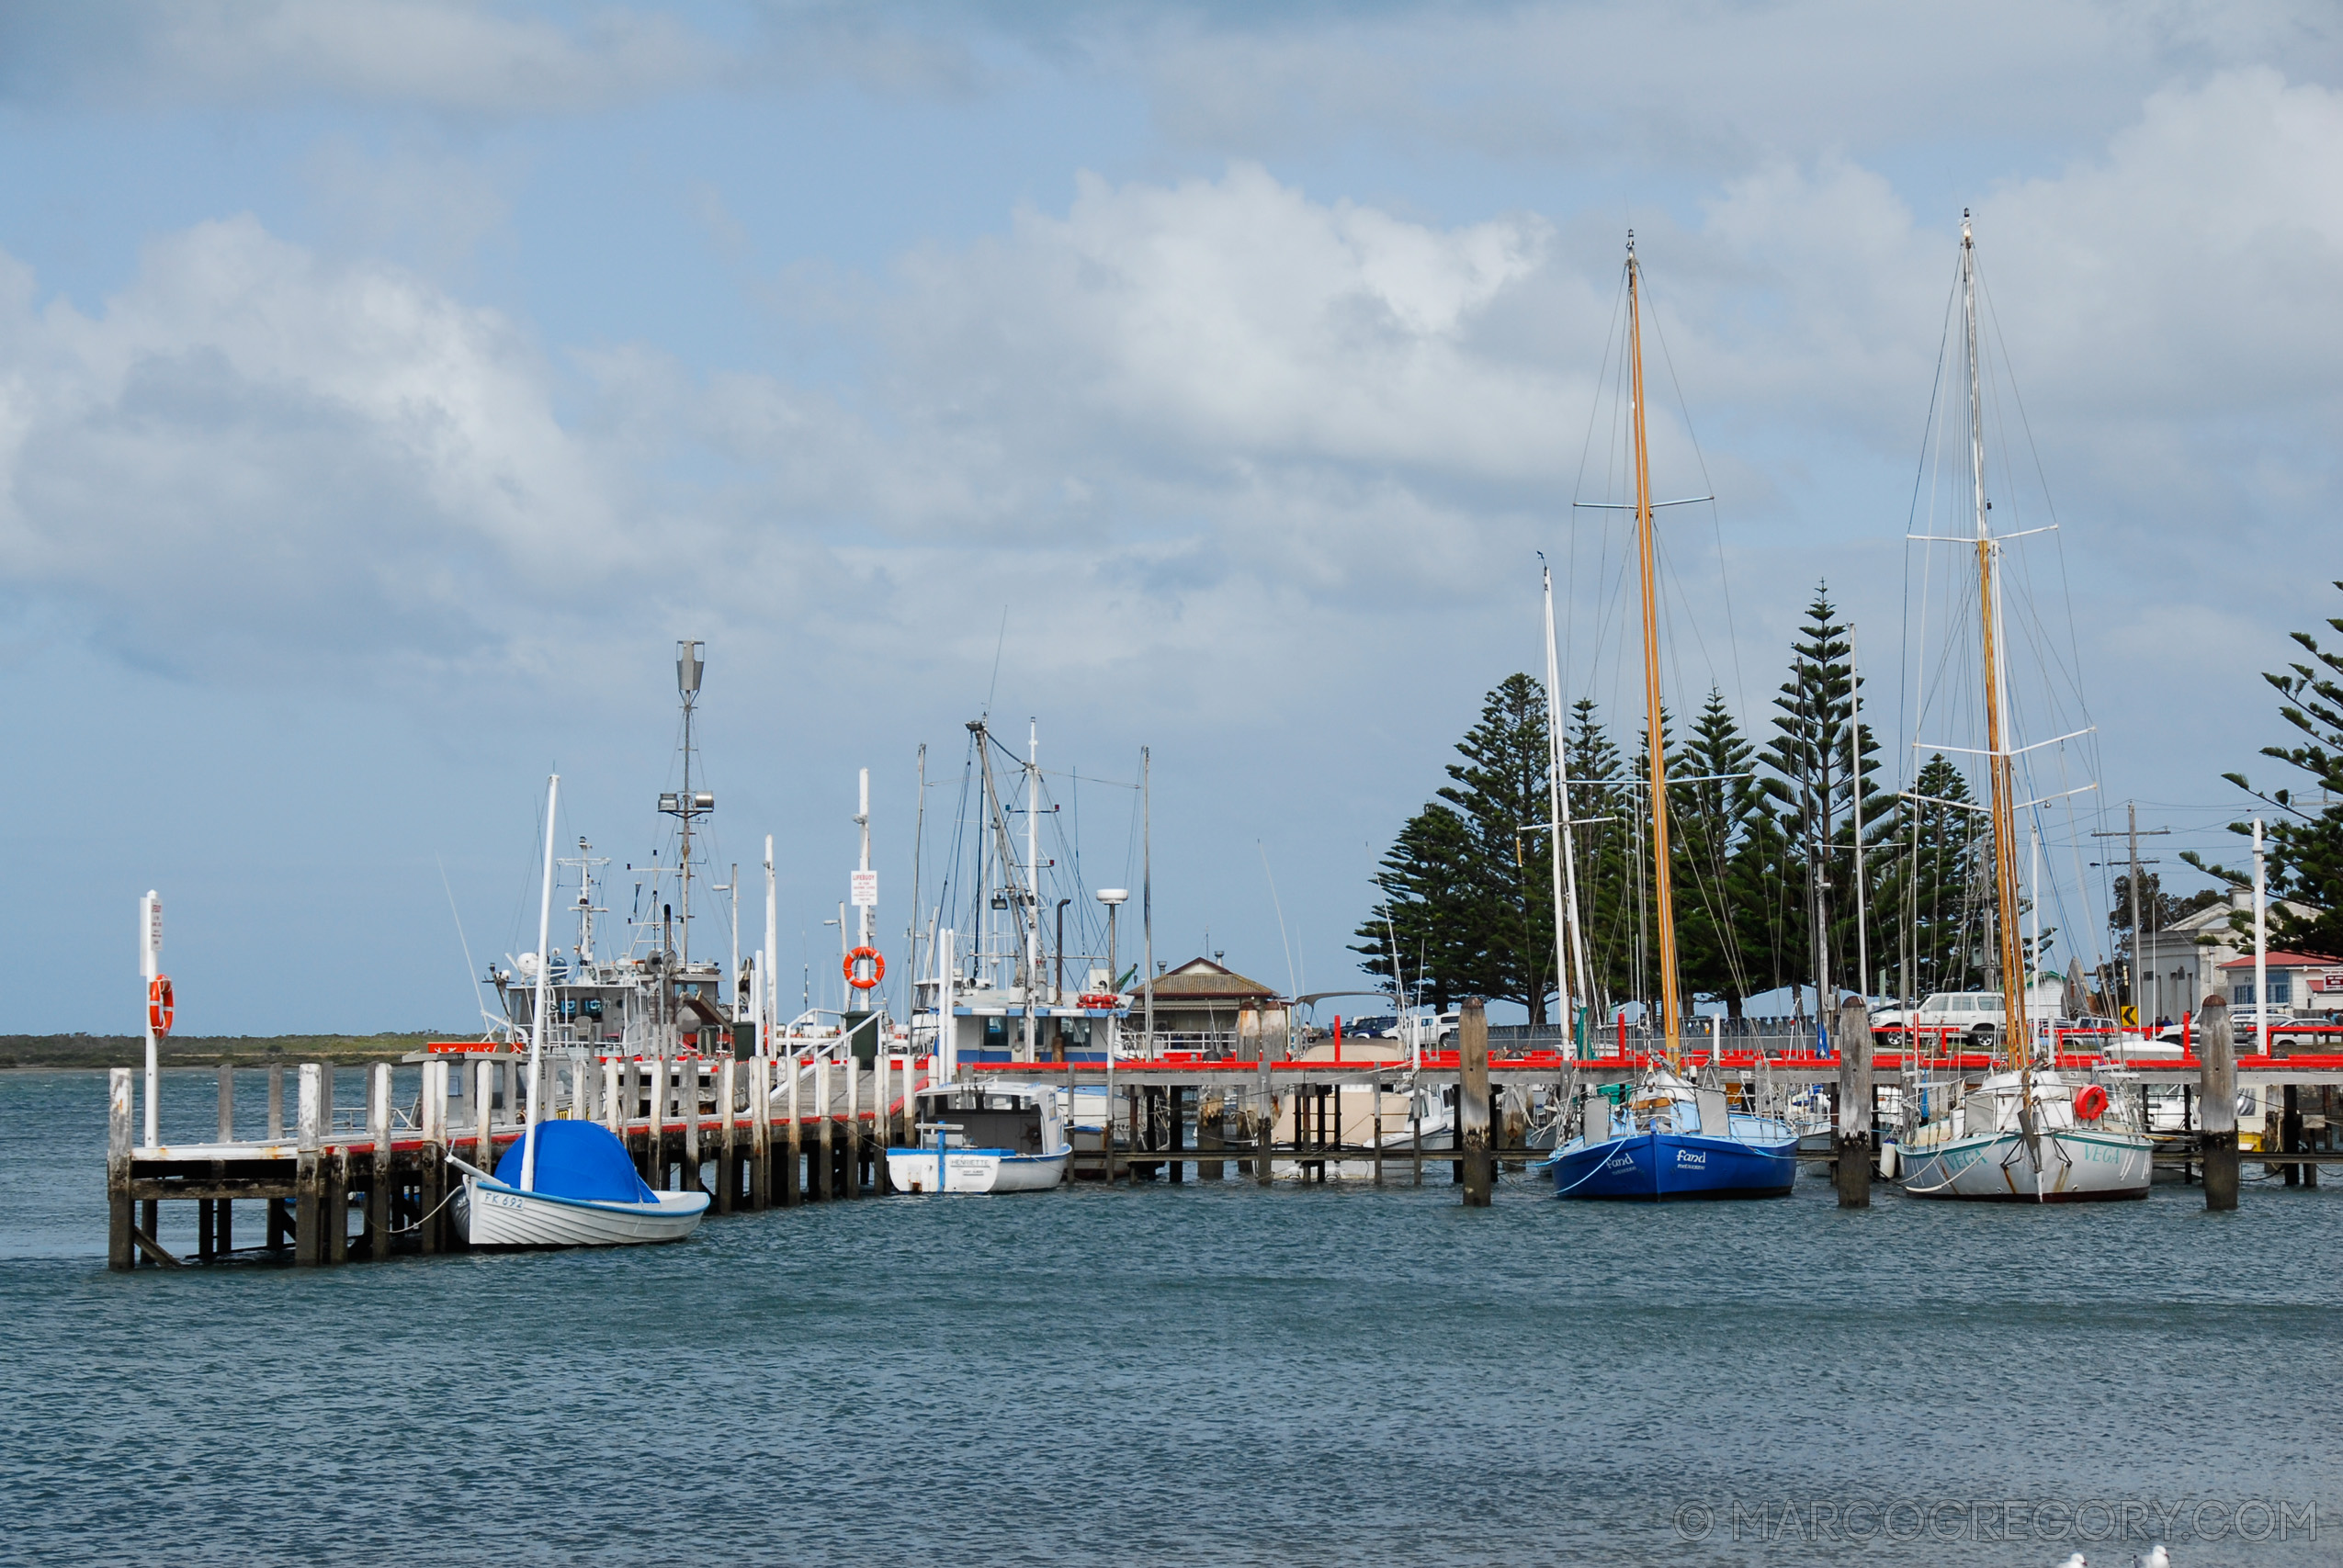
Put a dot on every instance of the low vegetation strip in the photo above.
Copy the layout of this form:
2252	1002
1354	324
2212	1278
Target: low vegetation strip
206	1051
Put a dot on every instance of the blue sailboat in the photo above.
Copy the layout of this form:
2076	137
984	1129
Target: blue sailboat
1670	1138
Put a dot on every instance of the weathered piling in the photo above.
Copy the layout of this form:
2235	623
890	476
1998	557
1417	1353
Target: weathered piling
2217	1145
1472	1101
309	1177
1853	1142
431	1182
122	1252
378	1187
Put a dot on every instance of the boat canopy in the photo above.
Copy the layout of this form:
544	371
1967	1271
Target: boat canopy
578	1159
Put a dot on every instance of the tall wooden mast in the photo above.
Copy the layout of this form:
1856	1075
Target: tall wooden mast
2017	1028
1671	1025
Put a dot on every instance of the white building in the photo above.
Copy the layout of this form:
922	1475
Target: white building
2183	963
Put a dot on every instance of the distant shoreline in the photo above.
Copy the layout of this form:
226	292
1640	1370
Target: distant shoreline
209	1051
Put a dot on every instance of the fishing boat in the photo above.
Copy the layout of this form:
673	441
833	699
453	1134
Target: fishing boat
2027	1131
1669	1138
565	1183
992	1138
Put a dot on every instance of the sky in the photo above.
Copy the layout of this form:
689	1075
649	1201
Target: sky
386	386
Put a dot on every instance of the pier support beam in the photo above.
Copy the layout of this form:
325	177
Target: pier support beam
1852	1024
377	1184
431	1178
1472	1101
2217	1041
308	1182
793	1168
122	1252
759	1132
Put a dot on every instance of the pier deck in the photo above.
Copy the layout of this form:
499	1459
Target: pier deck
754	1135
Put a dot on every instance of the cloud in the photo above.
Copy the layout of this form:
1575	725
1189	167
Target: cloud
254	453
1237	423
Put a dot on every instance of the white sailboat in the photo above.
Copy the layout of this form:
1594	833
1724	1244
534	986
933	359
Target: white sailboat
2027	1131
565	1183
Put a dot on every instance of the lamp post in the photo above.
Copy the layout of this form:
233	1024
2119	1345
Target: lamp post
1112	898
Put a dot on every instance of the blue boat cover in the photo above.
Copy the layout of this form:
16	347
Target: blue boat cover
578	1159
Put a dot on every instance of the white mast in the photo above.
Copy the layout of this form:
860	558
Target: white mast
149	967
544	979
1855	770
1033	878
862	820
1565	867
768	971
2261	945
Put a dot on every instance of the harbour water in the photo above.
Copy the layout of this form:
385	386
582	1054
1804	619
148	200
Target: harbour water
1187	1374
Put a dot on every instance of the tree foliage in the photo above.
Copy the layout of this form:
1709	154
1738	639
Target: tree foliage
2304	844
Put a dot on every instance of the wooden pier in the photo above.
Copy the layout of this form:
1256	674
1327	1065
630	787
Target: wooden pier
720	1126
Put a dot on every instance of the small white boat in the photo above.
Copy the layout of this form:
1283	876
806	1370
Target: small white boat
565	1183
587	1194
984	1138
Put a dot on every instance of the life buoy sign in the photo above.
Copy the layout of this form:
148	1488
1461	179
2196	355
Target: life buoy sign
159	1005
2091	1103
853	967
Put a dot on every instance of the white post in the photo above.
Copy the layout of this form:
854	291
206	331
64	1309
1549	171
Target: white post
151	965
947	1031
544	982
769	974
2261	946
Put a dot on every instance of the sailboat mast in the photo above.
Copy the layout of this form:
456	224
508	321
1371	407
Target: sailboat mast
542	1003
2015	1033
1670	1026
1566	868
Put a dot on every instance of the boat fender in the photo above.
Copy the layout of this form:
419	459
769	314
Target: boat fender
159	1008
878	967
2091	1103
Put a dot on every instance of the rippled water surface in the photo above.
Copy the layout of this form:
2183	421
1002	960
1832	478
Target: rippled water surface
1186	1374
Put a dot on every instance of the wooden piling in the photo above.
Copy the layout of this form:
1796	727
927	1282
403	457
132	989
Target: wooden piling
275	1103
483	1119
793	1169
759	1132
2216	1043
334	1206
1472	1101
122	1252
308	1182
377	1186
1853	1142
655	1136
826	1153
1375	1125
223	1210
687	1086
431	1179
728	1169
853	1184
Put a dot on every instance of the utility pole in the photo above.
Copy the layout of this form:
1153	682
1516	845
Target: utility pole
2132	835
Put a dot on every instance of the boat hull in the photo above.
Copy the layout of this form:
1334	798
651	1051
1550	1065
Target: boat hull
974	1171
493	1215
2076	1167
1656	1165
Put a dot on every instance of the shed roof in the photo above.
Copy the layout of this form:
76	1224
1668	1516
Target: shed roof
2286	961
1200	979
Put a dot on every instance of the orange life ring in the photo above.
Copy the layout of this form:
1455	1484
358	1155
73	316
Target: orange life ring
158	1008
2091	1103
878	967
